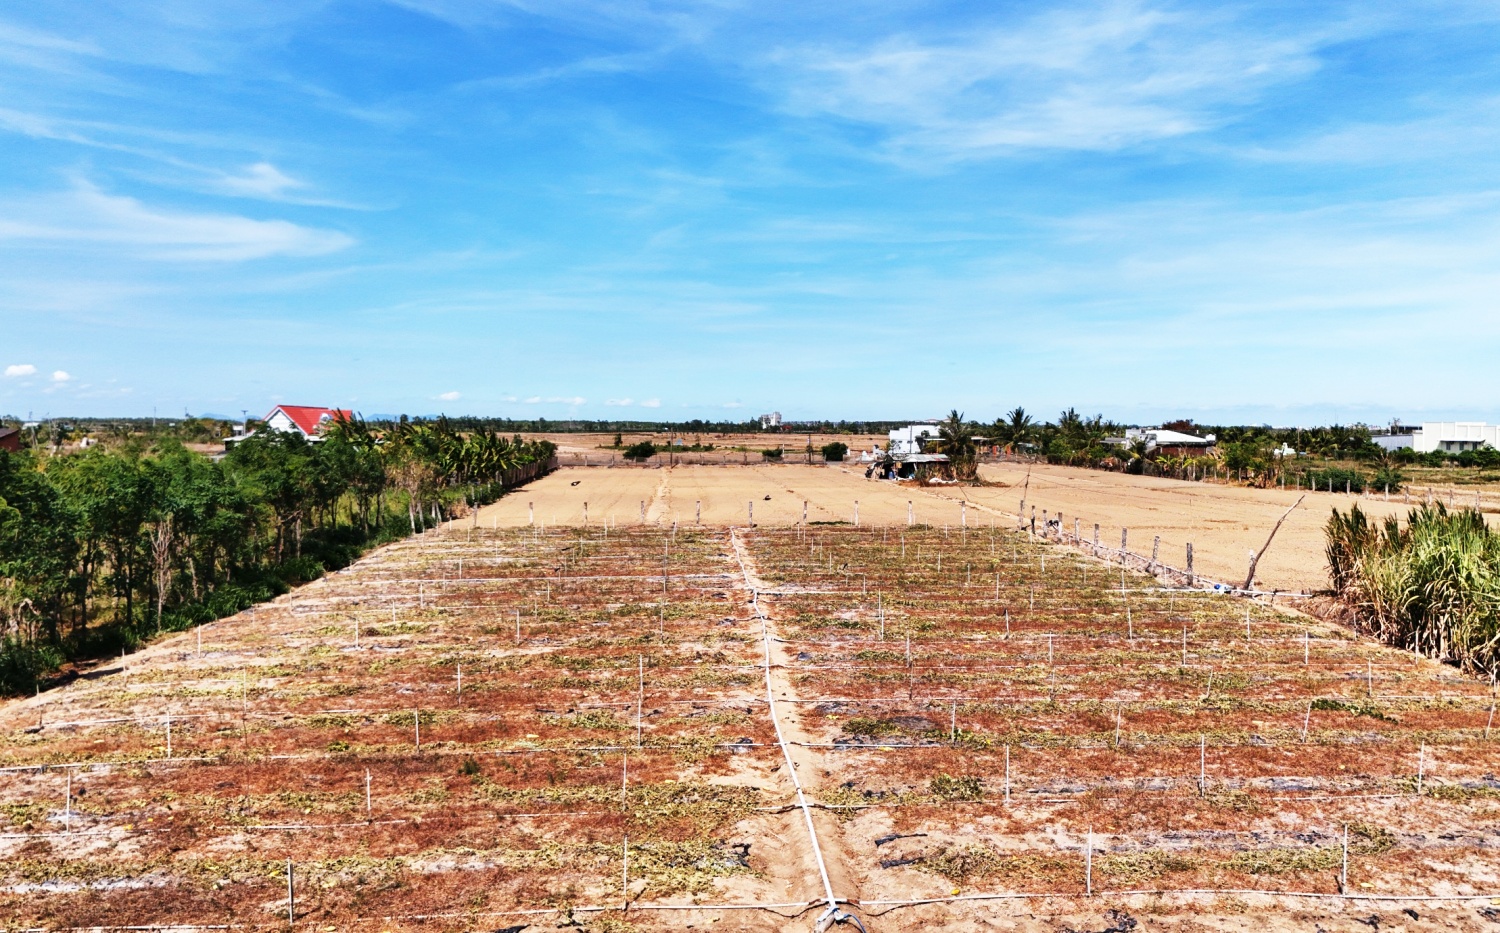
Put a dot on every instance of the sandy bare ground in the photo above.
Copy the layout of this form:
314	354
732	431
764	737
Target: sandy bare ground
1223	523
602	443
717	495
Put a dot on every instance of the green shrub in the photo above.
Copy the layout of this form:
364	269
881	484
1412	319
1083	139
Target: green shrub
771	453
642	451
1341	479
949	787
834	452
1387	478
24	665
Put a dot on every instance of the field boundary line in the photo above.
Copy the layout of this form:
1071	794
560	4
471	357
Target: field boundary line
832	914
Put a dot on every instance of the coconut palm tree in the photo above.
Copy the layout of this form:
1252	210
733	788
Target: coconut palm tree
1015	430
956	440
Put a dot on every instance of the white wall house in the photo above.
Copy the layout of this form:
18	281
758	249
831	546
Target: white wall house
908	440
1158	438
1455	436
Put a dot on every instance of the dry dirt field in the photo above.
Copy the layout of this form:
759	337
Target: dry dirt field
1223	523
601	444
635	728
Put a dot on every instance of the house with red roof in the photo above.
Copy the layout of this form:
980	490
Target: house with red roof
306	420
310	421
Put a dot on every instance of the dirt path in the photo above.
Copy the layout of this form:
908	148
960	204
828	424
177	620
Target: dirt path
824	837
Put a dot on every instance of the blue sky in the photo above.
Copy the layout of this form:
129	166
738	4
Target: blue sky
1259	212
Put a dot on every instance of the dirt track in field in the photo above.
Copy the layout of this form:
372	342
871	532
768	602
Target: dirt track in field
1224	523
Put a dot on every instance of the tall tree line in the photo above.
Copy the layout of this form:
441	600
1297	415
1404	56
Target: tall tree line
101	549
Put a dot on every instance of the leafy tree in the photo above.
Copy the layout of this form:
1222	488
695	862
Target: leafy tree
956	440
835	451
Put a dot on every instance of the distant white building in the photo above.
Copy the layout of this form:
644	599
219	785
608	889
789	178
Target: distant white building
1175	443
772	420
1453	437
1392	441
909	440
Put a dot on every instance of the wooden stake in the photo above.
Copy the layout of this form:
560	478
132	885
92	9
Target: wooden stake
291	896
1202	766
1088	863
1344	864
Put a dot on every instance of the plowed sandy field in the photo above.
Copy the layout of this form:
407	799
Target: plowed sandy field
641	729
1223	523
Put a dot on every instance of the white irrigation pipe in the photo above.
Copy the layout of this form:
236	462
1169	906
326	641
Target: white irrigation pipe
831	914
1186	892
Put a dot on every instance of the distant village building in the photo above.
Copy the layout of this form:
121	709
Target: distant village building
1452	437
1392	441
10	439
772	420
909	440
1169	443
904	456
310	421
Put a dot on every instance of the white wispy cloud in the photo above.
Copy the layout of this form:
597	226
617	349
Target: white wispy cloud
574	400
16	370
262	180
651	403
1087	79
88	216
450	396
619	402
61	376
